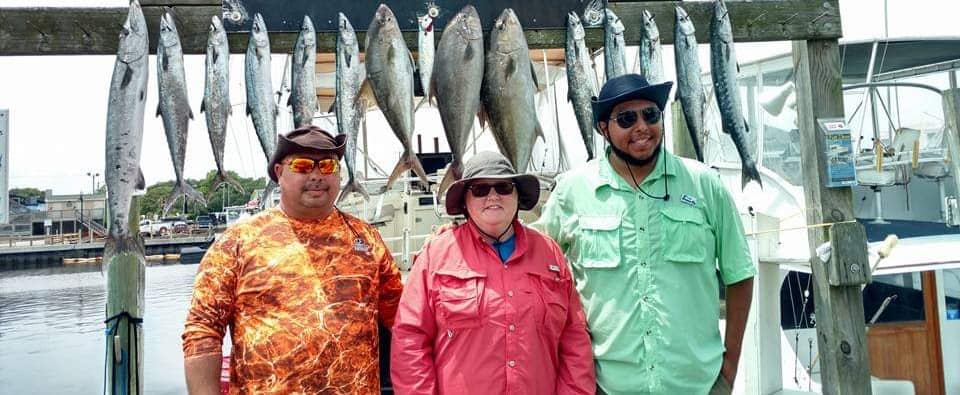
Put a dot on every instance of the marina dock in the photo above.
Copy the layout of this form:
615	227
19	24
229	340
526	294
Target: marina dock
20	257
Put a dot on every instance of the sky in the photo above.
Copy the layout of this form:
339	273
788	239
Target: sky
58	103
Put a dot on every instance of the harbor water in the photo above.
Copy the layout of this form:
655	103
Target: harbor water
52	330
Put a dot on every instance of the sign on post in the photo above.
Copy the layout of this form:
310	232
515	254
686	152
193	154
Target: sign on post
841	169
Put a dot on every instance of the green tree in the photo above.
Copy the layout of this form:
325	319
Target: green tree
26	193
152	203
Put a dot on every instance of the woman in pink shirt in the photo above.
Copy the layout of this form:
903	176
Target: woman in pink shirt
489	306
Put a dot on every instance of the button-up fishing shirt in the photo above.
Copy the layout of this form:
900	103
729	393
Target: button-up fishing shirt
471	324
646	270
301	298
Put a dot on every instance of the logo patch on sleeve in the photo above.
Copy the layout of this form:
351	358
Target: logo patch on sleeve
688	200
554	268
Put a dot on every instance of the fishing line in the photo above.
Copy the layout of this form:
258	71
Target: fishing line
233	129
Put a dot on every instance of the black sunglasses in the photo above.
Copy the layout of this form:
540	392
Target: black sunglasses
481	190
627	118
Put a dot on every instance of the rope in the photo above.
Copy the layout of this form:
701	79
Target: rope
820	225
132	323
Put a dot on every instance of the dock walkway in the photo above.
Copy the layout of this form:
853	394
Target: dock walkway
19	257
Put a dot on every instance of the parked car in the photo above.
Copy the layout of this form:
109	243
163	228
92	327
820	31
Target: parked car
204	222
162	227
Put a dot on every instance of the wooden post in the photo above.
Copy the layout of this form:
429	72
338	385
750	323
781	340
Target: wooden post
841	330
125	305
682	144
951	111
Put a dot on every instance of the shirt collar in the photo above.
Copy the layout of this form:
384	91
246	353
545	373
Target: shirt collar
606	176
519	234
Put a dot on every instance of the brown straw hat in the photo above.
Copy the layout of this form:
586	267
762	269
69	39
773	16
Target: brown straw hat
488	164
306	140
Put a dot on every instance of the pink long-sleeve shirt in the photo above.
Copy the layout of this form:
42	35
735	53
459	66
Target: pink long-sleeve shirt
470	324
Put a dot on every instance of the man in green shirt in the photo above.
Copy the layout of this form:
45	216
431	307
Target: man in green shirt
646	233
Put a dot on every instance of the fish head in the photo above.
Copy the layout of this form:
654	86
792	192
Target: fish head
386	19
168	31
133	35
258	32
345	32
216	34
613	22
507	33
426	23
575	27
467	23
307	31
683	24
650	26
720	23
384	26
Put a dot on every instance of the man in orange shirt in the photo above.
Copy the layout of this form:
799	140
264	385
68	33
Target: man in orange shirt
301	287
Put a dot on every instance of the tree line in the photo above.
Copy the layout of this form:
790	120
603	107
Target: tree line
151	204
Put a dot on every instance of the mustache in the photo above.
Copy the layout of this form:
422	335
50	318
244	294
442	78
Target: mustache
316	186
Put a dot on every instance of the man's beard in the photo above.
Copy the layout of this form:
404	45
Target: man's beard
624	156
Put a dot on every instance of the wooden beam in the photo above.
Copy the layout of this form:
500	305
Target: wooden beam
173	3
781	20
841	338
93	31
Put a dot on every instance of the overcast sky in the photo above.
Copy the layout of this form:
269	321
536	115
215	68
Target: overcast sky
58	103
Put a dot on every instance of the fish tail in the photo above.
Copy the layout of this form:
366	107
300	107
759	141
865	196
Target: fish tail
115	245
454	173
418	169
749	172
222	178
267	192
424	100
183	189
353	186
408	162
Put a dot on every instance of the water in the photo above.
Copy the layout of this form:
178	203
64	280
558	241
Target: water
52	330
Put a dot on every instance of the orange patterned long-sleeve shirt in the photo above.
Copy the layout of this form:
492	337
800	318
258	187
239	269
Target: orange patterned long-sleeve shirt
302	300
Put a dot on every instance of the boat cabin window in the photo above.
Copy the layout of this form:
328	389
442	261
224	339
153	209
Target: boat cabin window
905	291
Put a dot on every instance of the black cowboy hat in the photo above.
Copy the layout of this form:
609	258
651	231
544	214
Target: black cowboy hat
628	87
489	164
306	140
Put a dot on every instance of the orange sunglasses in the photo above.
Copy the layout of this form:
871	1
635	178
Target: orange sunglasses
306	165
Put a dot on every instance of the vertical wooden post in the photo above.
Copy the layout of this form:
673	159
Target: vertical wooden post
841	330
682	145
125	306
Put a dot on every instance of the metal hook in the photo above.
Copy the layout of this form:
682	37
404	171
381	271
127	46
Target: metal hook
784	22
86	34
42	33
825	13
757	19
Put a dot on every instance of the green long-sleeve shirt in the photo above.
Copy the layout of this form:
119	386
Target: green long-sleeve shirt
646	270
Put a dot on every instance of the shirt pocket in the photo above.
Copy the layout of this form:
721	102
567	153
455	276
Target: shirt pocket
553	293
458	298
598	242
688	238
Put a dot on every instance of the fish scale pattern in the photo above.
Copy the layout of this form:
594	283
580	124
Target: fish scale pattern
302	303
